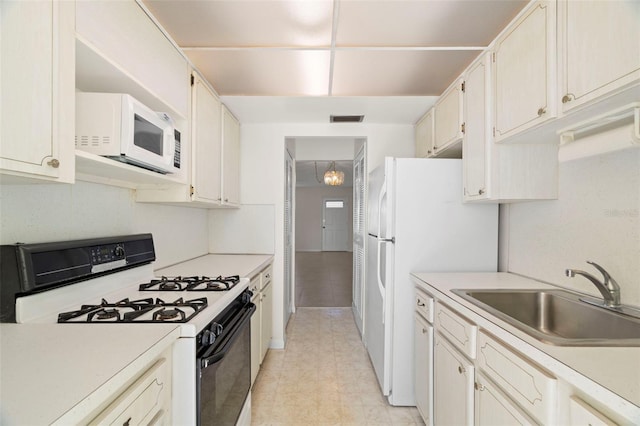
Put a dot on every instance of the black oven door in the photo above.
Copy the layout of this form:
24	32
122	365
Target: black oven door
224	373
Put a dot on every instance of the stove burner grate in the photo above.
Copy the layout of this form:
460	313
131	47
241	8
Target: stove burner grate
126	311
194	283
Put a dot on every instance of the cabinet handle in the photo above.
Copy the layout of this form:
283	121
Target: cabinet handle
541	111
481	191
420	303
267	276
226	200
424	331
127	422
428	152
461	369
435	148
55	163
478	386
567	98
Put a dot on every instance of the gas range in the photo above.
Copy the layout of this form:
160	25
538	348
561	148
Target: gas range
108	281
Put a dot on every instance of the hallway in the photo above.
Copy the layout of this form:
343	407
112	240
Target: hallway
323	377
324	279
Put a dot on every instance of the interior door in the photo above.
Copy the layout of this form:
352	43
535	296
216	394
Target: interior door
335	225
359	238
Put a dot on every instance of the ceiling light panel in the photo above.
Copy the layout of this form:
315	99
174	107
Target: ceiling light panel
265	72
246	23
414	23
397	73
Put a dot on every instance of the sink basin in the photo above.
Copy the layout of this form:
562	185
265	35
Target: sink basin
557	317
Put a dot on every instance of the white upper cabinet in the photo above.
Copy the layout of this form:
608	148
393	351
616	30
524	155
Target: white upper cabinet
121	32
207	144
448	120
500	173
424	135
476	139
600	48
37	90
230	158
525	71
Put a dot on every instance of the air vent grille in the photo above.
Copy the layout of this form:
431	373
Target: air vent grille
346	118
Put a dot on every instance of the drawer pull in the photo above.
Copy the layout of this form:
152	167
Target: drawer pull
478	386
461	369
55	163
424	330
127	422
421	304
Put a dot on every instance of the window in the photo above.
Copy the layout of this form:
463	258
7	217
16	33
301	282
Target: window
334	204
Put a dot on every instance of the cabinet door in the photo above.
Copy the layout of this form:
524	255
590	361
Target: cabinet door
230	158
207	144
423	352
453	386
476	140
448	118
493	408
525	67
266	319
37	89
424	135
122	32
601	51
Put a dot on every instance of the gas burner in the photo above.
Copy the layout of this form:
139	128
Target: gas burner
165	314
194	283
214	284
136	311
167	284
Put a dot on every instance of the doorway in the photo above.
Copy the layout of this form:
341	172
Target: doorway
323	222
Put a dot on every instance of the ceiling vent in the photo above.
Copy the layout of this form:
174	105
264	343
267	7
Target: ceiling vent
346	118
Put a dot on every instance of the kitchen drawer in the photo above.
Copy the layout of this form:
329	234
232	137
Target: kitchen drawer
266	274
461	332
424	305
583	414
254	284
144	402
527	384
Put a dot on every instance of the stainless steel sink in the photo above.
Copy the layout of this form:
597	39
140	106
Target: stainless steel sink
557	317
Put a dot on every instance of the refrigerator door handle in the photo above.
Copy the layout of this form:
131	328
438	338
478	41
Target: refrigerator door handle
379	279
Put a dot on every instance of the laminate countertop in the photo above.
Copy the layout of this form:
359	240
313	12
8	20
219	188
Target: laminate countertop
602	369
49	371
212	265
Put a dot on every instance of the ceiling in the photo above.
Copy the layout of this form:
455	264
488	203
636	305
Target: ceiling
337	48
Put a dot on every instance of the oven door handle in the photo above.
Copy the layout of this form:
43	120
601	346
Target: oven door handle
220	352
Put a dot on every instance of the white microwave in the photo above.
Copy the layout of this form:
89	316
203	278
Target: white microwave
118	126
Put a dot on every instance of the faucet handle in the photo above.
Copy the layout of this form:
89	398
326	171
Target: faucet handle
607	278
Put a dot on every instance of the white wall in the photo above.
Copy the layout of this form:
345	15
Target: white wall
596	217
51	212
309	208
262	176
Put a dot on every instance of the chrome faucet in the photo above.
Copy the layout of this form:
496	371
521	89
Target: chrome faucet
609	289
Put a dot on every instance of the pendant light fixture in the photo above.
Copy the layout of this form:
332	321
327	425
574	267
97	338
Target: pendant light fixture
332	176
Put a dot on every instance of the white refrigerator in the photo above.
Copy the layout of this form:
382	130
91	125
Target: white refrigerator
416	222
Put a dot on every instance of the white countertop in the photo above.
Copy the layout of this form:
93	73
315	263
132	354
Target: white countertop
47	370
212	265
615	368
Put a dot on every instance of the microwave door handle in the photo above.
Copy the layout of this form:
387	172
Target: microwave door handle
221	352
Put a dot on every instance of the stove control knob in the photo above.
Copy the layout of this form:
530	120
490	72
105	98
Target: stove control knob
208	338
119	251
216	329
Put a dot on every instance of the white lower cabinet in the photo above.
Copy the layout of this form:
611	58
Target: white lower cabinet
454	377
146	401
423	352
494	408
262	319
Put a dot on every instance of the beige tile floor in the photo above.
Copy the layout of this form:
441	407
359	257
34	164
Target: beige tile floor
323	279
323	377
